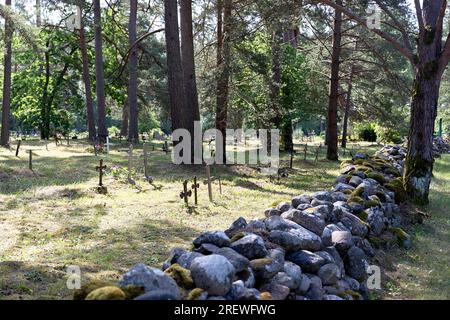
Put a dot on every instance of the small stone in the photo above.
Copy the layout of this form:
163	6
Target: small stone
280	223
355	181
217	238
301	199
304	286
375	219
304	206
213	273
174	255
308	261
294	272
206	248
342	240
341	187
322	195
284	206
264	268
251	246
272	212
329	274
236	227
186	259
283	279
307	220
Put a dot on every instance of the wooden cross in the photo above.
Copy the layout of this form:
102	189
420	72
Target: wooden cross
18	147
100	170
209	180
185	194
317	153
108	144
195	186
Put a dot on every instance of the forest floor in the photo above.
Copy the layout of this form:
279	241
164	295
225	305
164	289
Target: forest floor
52	218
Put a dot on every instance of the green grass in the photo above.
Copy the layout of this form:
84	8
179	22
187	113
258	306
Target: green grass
424	271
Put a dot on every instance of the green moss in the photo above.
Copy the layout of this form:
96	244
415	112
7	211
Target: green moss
107	293
356	199
132	292
195	294
238	236
346	163
368	164
393	171
376	242
347	191
363	168
372	203
381	196
376	176
359	161
363	216
259	264
181	276
355	295
83	292
396	186
400	234
358	191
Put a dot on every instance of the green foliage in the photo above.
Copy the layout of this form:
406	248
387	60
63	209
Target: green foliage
389	135
366	131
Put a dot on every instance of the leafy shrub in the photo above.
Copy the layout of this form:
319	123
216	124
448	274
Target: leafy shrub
366	132
389	135
112	131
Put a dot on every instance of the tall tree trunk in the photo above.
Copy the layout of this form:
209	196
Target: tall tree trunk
223	61
347	107
177	99
6	107
100	80
187	57
331	134
45	114
419	161
38	13
87	85
125	116
133	132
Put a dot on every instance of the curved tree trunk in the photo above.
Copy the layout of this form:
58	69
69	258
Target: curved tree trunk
4	140
100	80
331	134
133	132
87	86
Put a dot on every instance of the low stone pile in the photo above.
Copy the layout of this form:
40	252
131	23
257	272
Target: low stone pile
441	145
316	246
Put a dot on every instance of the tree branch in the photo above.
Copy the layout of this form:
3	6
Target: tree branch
402	49
445	56
419	15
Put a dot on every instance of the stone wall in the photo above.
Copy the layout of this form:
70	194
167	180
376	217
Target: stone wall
317	246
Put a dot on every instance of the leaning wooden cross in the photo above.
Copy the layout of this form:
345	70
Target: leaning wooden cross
209	180
185	194
101	188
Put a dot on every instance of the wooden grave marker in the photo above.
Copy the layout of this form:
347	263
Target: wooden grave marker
185	194
195	186
18	147
101	188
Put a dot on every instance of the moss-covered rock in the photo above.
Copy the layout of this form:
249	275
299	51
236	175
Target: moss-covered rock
372	203
195	294
266	296
355	295
82	293
394	171
181	276
132	291
403	239
107	293
238	236
364	169
358	192
376	176
356	199
346	163
396	185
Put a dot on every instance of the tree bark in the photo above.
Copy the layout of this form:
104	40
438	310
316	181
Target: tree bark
6	106
100	80
125	116
331	134
133	132
223	62
87	85
177	99
347	107
419	161
187	57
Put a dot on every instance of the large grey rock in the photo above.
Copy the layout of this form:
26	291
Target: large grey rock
337	259
355	181
341	187
329	274
322	195
238	261
186	259
305	284
279	223
287	240
338	196
151	279
342	240
251	246
284	206
213	273
356	263
327	232
217	238
272	212
322	211
294	272
308	240
356	226
236	227
307	220
283	279
308	261
265	268
316	202
174	255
